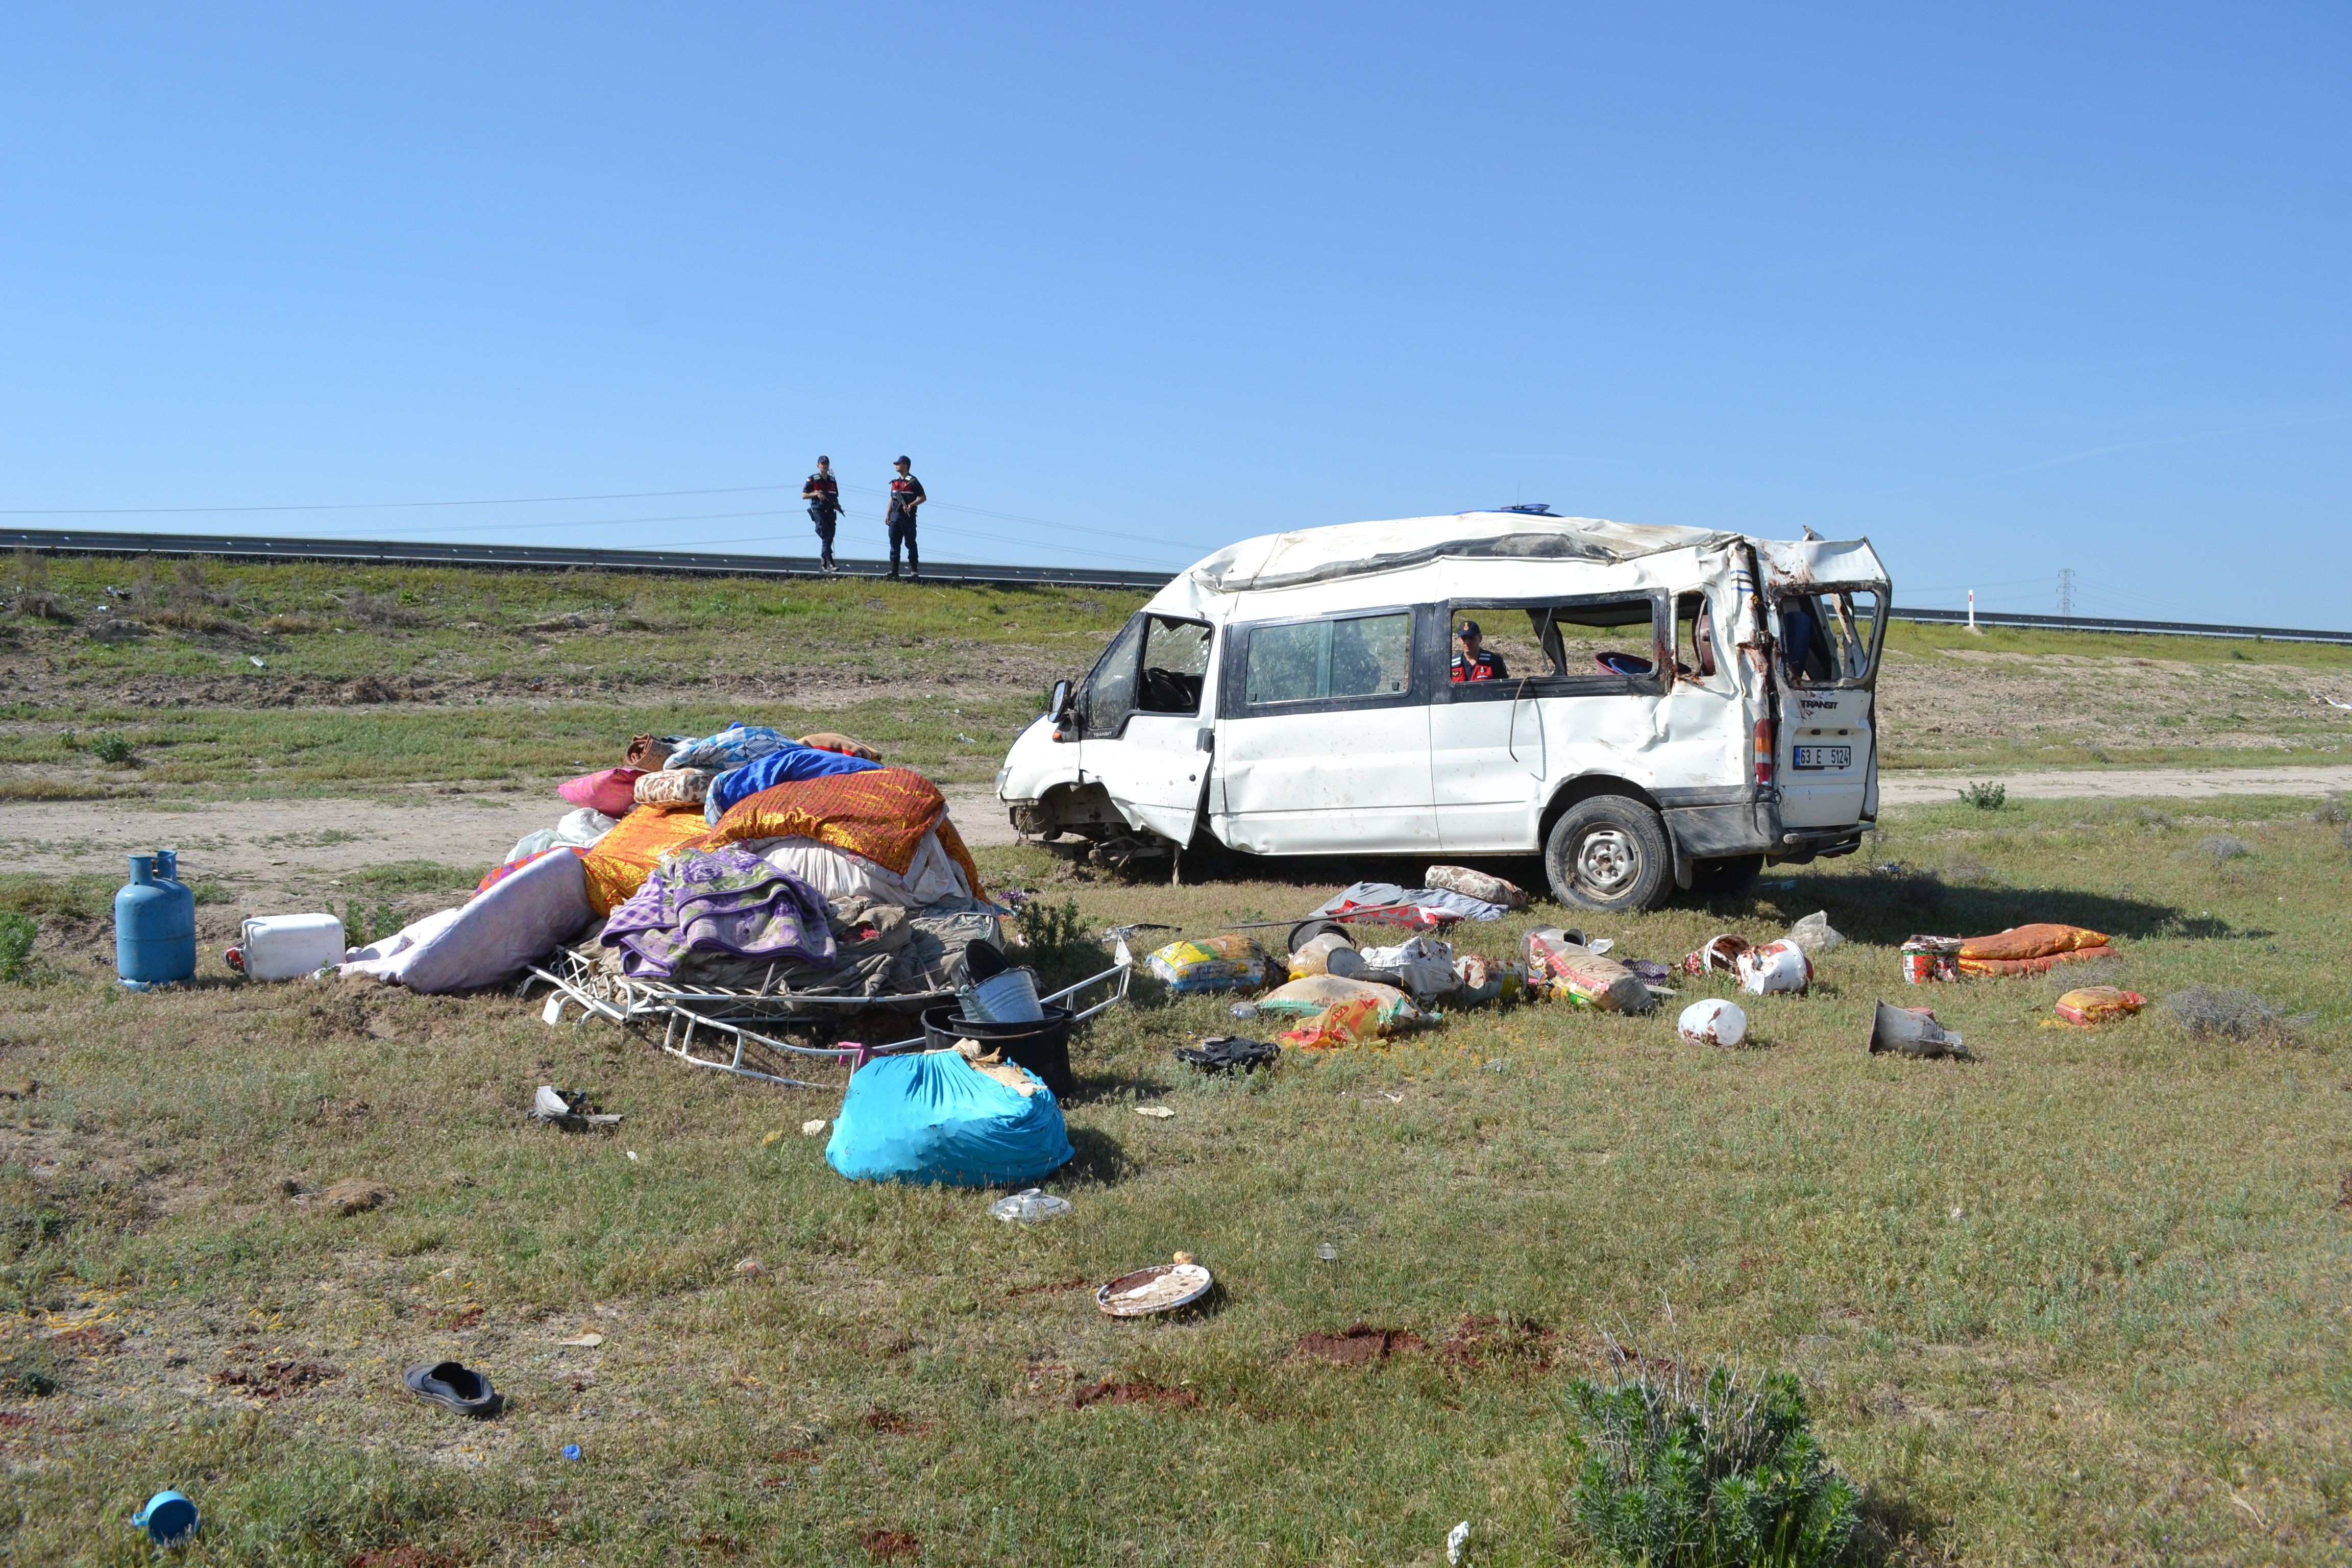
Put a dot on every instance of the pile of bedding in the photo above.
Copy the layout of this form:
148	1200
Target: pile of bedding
794	867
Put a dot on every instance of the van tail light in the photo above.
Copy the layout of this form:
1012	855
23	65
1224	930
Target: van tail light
1766	744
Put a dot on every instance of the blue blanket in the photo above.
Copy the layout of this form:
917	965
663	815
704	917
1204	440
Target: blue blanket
791	763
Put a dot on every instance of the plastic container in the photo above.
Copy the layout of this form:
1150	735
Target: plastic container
1713	1022
286	947
154	923
1007	997
1029	1206
1777	967
1041	1046
169	1516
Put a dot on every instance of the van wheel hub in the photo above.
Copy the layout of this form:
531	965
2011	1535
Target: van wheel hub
1608	860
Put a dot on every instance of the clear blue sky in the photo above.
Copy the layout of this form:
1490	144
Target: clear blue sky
2008	289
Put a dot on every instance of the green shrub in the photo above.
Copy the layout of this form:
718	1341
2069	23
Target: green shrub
1678	1474
1986	796
17	934
111	748
1057	944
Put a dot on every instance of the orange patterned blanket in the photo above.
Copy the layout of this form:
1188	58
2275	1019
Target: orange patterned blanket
881	814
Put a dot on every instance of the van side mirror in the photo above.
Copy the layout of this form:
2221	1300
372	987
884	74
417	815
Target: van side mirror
1057	708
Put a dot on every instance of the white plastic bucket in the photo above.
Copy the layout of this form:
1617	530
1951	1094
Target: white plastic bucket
1775	966
1713	1021
286	947
1007	998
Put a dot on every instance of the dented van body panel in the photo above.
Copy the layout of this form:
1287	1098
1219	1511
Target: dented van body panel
1292	694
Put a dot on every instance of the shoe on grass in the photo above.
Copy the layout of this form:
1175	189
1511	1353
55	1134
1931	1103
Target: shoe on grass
454	1386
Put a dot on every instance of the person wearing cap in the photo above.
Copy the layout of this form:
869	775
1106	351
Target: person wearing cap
1477	661
822	492
906	495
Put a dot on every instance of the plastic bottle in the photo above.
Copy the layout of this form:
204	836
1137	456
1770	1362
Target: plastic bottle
154	923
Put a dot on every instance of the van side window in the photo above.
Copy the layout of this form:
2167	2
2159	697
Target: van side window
1306	661
1583	647
1697	652
1175	662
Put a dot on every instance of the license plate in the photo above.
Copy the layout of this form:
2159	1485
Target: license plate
1827	757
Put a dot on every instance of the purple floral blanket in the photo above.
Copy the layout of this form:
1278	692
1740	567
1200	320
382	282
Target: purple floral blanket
722	901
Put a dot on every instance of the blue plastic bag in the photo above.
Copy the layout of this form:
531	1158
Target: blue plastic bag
934	1117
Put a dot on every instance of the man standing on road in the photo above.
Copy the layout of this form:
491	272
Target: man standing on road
906	495
823	493
1477	661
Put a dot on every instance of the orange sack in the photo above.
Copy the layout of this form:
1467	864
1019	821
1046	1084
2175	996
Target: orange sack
2031	942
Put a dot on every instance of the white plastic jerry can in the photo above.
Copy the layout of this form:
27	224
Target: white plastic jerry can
286	947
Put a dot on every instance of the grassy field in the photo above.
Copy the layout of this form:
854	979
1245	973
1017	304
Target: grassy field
270	680
2083	1300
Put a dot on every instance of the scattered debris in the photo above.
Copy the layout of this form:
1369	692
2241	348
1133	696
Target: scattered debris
1479	884
168	1517
813	1126
1162	1288
1777	967
1157	1112
2094	1004
587	1342
1713	1022
749	1267
356	1194
1456	1538
1814	933
1228	1054
1913	1032
454	1386
570	1110
1717	954
1029	1206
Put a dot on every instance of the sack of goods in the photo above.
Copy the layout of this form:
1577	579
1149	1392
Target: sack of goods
2094	1004
1570	972
673	787
938	1116
1477	884
1213	963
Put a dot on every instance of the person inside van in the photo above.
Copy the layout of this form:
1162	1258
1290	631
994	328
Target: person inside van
1477	661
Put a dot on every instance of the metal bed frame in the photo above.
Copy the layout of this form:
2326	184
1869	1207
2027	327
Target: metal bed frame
741	1019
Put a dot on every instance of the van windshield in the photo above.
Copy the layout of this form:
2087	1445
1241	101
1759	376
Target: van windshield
1831	636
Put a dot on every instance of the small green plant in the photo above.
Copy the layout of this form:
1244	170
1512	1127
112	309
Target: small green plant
69	742
1706	1473
1055	942
113	749
28	1370
1986	796
363	926
2331	810
17	934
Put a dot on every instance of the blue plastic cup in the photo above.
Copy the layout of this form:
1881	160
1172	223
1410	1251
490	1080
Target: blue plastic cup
169	1516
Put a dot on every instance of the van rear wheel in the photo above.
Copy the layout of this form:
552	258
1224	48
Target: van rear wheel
1609	854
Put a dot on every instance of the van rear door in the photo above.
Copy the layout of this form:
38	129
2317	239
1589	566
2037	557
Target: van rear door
1829	641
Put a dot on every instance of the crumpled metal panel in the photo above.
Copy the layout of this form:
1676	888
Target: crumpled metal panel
1359	549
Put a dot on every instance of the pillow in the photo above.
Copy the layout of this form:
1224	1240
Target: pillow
612	792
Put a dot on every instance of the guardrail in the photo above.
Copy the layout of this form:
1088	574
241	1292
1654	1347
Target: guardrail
671	562
2114	624
401	552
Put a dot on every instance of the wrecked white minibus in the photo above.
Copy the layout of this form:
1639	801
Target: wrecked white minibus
1662	709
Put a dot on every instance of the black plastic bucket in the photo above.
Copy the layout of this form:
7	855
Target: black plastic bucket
1043	1048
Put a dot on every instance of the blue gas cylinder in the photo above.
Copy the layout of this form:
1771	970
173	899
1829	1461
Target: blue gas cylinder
154	923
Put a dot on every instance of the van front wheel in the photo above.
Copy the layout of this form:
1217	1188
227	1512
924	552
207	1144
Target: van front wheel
1609	854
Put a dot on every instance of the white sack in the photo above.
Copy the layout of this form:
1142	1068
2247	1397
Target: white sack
523	916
